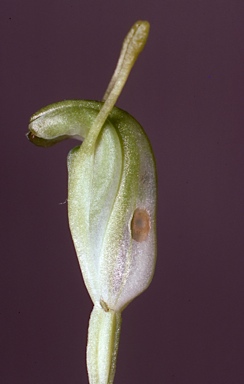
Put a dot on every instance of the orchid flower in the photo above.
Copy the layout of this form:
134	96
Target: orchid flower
111	202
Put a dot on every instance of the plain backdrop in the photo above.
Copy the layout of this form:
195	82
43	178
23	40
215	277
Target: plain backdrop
186	90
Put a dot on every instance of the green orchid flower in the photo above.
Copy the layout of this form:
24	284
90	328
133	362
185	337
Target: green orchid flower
111	202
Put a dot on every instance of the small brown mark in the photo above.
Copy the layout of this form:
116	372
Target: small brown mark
140	225
104	305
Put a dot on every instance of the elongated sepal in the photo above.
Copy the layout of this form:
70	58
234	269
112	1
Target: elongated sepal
102	346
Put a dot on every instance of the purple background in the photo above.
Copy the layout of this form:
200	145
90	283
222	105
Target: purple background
187	92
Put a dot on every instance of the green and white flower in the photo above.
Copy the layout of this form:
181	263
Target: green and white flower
111	203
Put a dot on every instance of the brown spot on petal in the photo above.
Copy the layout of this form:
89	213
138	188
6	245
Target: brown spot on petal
140	225
104	305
